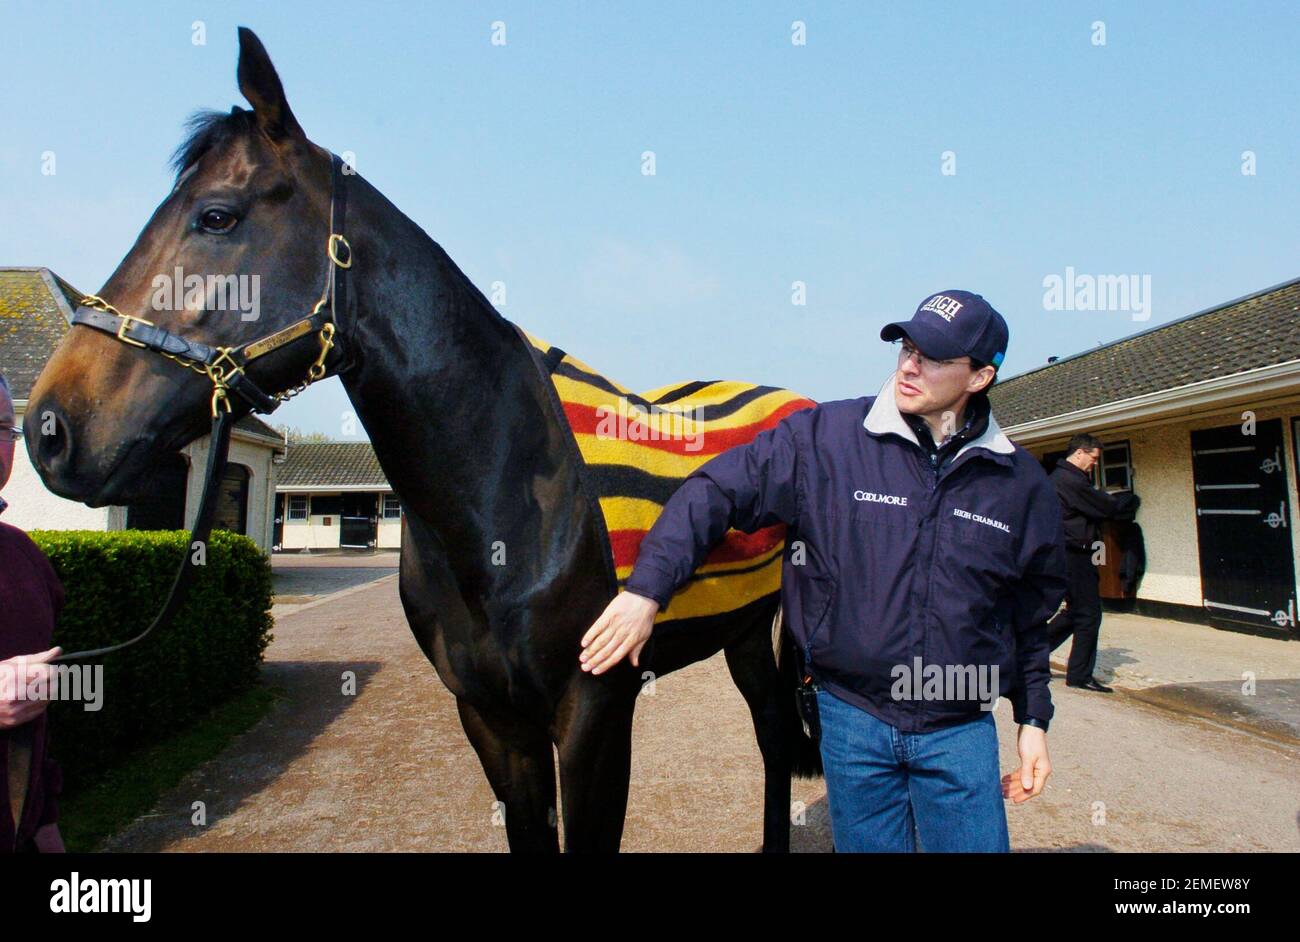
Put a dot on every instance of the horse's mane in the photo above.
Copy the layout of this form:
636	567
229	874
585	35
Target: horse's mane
206	130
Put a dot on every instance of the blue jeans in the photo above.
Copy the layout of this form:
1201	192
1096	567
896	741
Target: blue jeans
888	789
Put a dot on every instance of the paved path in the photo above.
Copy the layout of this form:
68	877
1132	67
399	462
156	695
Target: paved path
1244	680
389	768
300	578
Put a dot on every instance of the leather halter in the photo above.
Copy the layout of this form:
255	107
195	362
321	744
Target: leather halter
225	367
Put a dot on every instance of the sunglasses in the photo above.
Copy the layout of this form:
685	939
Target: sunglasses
908	351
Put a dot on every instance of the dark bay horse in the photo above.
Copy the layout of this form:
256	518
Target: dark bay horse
461	422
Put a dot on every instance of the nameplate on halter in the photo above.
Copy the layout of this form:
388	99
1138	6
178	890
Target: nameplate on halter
277	339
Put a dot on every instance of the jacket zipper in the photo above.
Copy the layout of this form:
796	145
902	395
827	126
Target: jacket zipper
934	550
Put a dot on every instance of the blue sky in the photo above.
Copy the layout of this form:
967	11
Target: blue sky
775	163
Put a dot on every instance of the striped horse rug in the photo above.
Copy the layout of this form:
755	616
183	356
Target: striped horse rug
636	451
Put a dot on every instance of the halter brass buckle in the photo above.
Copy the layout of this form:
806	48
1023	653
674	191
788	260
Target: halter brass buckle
126	322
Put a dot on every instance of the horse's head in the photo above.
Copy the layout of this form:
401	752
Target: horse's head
236	252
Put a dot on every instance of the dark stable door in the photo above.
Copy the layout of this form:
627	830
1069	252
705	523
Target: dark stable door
277	536
358	522
164	506
1243	525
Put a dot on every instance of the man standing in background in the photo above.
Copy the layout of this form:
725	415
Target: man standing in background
1083	507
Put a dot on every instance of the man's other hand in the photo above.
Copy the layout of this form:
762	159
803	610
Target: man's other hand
624	627
1028	780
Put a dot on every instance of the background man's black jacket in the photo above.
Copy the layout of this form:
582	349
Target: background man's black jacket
1083	506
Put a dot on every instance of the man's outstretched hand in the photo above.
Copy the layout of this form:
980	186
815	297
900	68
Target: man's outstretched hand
623	628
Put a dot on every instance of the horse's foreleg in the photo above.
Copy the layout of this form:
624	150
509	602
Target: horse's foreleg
520	767
754	670
595	744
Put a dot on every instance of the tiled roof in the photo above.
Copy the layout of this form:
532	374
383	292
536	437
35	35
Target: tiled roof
251	423
1260	330
35	306
330	464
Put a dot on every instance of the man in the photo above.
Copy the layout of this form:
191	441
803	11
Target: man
1083	508
917	542
32	599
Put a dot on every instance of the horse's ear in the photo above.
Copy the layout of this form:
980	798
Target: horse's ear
259	83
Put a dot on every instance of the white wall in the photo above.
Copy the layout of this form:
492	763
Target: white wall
390	533
311	534
32	506
1162	477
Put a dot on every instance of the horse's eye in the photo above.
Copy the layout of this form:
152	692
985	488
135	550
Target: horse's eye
217	220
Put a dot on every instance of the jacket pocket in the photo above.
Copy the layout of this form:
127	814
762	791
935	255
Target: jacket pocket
979	549
818	598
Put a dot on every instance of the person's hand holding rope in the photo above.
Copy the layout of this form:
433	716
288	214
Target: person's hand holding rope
27	672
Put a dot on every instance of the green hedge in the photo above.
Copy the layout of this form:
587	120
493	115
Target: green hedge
115	584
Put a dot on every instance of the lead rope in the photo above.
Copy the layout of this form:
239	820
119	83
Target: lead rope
218	447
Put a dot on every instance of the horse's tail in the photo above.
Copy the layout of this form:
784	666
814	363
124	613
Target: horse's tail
805	753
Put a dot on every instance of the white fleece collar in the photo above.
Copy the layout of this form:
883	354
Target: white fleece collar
883	417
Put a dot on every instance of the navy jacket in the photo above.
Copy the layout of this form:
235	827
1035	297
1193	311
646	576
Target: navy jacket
889	557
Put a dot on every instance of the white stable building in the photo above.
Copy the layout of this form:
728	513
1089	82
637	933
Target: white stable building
1201	418
334	495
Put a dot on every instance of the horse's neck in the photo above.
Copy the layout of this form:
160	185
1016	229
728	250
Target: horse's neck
447	390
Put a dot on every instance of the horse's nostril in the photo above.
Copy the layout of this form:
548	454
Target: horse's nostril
51	439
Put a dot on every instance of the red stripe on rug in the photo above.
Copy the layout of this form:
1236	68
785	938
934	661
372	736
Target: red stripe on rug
584	420
735	546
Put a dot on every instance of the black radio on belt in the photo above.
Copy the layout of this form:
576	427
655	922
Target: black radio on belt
806	700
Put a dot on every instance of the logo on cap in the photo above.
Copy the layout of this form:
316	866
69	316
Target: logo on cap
942	305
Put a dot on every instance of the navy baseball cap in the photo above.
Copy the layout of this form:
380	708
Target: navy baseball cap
954	324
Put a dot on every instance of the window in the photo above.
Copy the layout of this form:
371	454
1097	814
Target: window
1048	461
297	506
1114	472
1116	468
331	506
392	507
